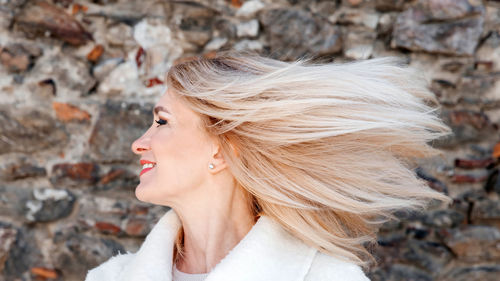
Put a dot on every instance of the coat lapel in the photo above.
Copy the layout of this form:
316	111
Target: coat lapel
153	261
267	252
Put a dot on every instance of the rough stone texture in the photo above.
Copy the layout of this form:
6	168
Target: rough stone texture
70	75
111	138
18	57
40	18
7	236
48	205
474	243
78	80
20	167
483	272
440	26
74	174
289	29
28	130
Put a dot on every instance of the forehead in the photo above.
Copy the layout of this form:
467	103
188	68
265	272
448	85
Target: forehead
167	102
176	107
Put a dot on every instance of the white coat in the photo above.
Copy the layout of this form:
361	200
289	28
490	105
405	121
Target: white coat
267	252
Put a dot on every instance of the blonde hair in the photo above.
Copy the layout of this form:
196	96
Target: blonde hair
324	149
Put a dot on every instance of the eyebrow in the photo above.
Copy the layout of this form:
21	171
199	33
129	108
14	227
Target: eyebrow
160	108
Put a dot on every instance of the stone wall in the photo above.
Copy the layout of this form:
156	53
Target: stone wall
78	80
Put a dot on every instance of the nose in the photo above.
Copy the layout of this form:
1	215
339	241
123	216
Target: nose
141	144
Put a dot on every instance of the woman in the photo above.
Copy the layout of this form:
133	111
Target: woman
278	170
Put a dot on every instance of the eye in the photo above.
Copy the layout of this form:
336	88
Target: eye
161	122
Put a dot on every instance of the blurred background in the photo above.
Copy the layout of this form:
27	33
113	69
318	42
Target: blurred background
78	80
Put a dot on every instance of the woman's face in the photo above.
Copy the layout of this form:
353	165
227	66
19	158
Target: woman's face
179	149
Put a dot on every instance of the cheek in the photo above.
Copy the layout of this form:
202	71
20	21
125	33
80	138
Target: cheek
181	158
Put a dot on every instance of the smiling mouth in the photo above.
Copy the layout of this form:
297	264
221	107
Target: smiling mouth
146	168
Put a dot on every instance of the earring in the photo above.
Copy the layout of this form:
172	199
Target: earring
211	166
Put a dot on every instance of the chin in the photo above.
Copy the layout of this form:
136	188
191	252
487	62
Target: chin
141	193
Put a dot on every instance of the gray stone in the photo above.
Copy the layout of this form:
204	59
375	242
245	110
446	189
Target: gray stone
71	76
120	35
48	205
397	272
489	51
112	136
253	45
248	29
101	70
195	23
249	9
431	256
367	19
8	9
216	43
28	130
75	253
294	33
23	255
486	211
444	218
433	27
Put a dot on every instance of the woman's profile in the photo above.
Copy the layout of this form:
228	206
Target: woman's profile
278	170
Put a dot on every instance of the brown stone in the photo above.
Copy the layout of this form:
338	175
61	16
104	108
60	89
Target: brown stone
473	242
68	113
465	178
473	163
17	58
107	228
28	130
469	272
8	237
136	227
39	19
95	53
74	174
117	179
467	125
44	273
390	5
19	168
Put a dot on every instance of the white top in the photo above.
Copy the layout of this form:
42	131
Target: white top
183	276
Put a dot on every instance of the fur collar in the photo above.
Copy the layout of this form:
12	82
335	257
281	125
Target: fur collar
267	252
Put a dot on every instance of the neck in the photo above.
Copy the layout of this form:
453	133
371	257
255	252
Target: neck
212	229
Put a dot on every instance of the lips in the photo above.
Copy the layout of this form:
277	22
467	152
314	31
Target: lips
146	162
145	169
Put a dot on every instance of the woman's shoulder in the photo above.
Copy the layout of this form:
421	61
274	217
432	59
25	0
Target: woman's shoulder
109	269
326	267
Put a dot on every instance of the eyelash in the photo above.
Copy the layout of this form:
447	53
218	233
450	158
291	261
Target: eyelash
161	122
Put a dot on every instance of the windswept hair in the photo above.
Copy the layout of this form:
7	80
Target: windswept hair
324	149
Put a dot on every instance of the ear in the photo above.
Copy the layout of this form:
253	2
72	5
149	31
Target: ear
217	159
